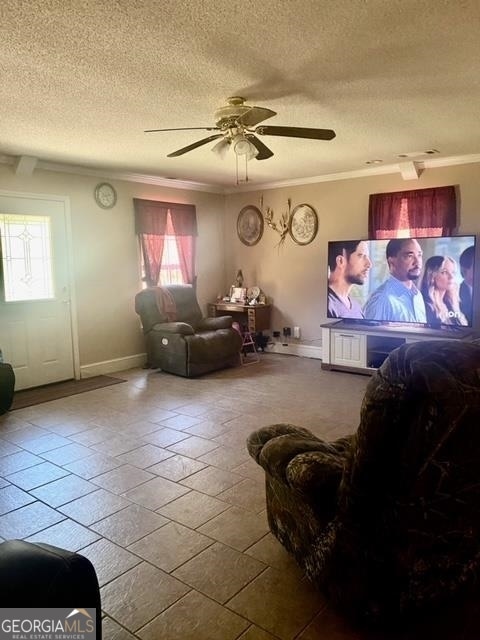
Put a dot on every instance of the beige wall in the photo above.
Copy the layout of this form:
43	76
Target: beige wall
295	276
105	255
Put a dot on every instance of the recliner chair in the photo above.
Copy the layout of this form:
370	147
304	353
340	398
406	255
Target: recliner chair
7	386
387	521
38	575
178	339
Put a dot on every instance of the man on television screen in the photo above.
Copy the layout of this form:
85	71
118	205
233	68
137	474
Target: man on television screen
398	299
349	263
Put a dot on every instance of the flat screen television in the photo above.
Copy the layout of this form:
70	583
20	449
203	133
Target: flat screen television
426	282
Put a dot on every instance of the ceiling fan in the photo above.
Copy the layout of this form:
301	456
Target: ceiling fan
234	122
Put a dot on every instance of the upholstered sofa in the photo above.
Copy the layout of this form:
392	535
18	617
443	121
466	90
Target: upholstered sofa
178	339
387	521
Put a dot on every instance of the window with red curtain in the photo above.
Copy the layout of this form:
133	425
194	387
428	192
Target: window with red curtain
167	232
418	213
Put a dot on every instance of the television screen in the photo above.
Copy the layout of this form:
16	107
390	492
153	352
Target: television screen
426	281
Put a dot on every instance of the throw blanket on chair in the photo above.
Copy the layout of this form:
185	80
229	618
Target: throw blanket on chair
165	303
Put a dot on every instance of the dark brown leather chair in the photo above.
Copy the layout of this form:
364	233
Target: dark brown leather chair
37	575
178	339
7	386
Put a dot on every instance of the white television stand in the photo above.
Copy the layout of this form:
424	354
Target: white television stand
362	347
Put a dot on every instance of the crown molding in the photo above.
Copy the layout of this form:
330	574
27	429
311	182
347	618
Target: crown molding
130	177
431	163
329	177
377	170
118	175
4	159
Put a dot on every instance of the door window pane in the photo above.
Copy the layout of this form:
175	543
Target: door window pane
26	257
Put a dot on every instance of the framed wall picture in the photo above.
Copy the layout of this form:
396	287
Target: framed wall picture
250	225
303	225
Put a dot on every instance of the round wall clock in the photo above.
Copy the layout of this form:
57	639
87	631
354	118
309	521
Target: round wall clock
105	195
250	225
303	224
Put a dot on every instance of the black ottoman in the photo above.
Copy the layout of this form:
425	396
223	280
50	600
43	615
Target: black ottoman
39	575
7	385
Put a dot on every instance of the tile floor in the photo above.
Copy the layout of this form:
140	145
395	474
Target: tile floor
150	479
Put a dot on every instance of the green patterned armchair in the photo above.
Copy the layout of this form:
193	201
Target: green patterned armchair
387	520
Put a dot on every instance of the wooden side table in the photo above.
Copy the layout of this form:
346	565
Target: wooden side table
256	317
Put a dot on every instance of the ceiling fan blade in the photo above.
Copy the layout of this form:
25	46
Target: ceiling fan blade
254	116
296	132
193	146
184	129
263	151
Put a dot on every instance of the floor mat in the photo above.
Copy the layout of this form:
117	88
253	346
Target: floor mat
57	390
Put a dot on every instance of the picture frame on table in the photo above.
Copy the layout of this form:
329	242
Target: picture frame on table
238	294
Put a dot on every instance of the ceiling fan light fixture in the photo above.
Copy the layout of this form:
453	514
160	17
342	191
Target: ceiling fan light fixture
252	151
244	147
221	148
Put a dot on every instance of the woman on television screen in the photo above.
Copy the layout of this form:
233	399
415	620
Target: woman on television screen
440	292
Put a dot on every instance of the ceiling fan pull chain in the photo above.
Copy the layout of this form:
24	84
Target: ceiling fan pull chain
239	181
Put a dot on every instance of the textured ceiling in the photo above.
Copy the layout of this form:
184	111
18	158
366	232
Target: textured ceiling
82	79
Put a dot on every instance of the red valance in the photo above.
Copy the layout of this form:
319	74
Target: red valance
151	217
426	208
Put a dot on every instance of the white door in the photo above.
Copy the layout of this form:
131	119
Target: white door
35	310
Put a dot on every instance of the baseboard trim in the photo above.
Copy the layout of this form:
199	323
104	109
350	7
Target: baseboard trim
295	349
113	366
